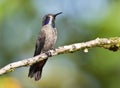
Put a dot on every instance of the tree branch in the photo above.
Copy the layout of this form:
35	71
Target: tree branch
112	44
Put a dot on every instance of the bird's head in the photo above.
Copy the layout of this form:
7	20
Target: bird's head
50	19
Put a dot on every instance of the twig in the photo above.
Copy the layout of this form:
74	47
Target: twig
107	43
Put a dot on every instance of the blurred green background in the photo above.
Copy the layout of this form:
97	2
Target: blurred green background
82	20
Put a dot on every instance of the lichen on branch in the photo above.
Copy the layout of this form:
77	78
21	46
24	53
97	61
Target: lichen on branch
112	44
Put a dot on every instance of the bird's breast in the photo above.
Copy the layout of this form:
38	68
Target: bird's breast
50	38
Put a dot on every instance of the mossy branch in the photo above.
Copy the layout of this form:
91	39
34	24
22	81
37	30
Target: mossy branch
112	44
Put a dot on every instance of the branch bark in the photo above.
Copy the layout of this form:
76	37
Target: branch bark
112	44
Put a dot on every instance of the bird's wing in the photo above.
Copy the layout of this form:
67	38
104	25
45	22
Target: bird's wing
40	42
36	69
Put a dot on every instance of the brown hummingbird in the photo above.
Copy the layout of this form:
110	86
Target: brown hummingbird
45	41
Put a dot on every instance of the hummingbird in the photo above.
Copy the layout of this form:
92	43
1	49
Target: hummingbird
45	41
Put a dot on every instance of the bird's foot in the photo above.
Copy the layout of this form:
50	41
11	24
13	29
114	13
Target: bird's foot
53	48
48	53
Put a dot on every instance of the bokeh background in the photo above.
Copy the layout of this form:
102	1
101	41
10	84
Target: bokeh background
82	20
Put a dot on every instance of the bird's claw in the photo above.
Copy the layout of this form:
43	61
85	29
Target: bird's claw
53	48
48	53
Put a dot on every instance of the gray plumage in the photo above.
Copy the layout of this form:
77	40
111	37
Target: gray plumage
45	41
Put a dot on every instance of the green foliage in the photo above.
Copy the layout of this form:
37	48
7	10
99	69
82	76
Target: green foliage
99	68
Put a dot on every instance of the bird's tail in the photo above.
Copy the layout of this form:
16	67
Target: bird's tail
36	70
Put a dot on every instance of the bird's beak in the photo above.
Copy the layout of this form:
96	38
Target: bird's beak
57	14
